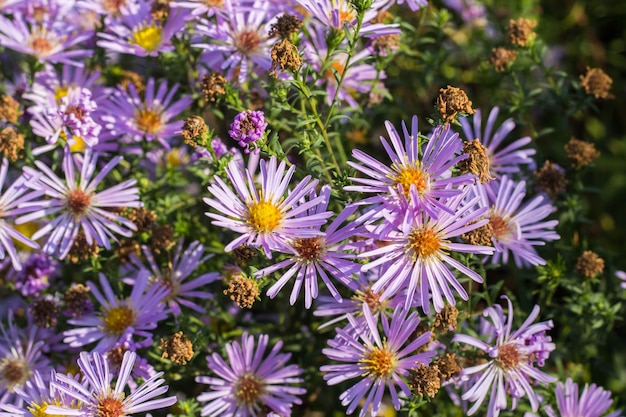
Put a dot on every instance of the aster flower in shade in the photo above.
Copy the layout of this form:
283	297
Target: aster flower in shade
622	276
10	199
359	77
206	8
49	40
248	127
267	217
98	397
416	254
514	358
412	182
20	357
77	205
593	402
148	117
238	38
379	362
36	395
36	275
516	228
120	319
250	380
322	256
176	273
137	32
504	158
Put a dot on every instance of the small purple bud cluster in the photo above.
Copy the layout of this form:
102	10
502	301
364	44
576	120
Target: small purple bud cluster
247	128
75	112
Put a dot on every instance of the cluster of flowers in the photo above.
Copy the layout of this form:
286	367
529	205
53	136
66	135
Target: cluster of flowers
396	253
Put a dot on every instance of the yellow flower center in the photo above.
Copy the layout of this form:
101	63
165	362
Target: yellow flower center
79	144
264	217
28	230
39	410
346	12
118	319
337	66
423	243
148	121
411	175
148	37
60	93
378	362
370	298
248	389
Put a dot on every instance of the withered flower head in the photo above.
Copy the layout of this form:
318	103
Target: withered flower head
177	348
597	83
131	77
448	366
160	9
11	143
480	236
551	179
285	56
285	26
451	102
477	162
424	380
44	312
501	58
162	238
9	109
589	264
143	219
581	153
77	301
213	86
243	291
520	31
126	248
81	250
193	129
446	319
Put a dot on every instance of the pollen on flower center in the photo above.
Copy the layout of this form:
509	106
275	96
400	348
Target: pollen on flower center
309	248
423	243
113	6
346	12
264	216
78	202
247	41
411	175
147	37
379	362
337	66
508	356
214	3
248	389
110	407
370	298
148	121
13	373
118	319
40	45
502	228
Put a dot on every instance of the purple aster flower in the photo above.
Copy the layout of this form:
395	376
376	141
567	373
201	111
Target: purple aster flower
238	38
120	319
322	256
135	31
593	402
267	217
378	362
205	8
96	395
15	195
516	228
78	206
513	360
71	120
621	275
411	181
414	5
248	127
176	273
148	117
50	40
503	158
359	77
250	380
337	13
38	271
417	254
20	356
